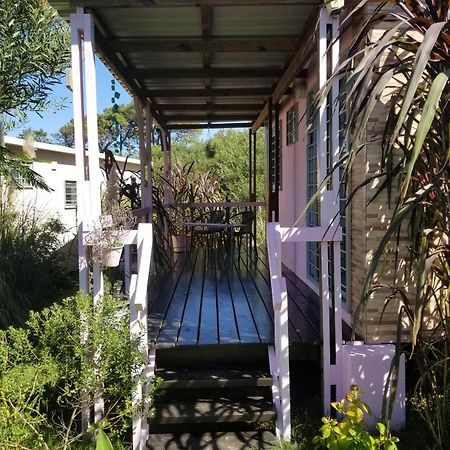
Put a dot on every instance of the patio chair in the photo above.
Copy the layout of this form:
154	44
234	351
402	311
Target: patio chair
248	218
216	216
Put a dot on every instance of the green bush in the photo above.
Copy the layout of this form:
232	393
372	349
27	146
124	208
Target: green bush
49	370
349	433
31	271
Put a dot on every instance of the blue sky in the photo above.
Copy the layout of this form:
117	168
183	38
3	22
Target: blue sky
51	121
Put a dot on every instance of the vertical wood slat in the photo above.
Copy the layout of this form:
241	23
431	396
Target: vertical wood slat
76	27
273	367
138	325
335	49
148	140
281	324
325	215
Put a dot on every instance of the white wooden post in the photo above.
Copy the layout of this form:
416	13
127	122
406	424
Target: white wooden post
148	159
329	210
279	353
138	326
279	356
89	201
340	388
94	172
76	27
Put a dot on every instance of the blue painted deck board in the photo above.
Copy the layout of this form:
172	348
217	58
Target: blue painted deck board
211	297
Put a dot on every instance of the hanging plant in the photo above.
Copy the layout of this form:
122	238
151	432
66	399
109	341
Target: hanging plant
210	149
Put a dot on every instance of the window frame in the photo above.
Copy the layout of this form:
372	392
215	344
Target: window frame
73	203
312	173
291	124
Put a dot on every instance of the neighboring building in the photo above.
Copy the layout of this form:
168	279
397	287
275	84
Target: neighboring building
56	164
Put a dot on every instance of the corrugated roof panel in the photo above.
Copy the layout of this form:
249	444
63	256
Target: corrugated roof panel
264	20
165	60
154	22
249	60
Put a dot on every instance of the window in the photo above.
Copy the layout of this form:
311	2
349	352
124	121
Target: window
70	194
312	217
276	163
22	183
291	125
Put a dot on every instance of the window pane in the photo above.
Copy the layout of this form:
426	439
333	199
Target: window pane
70	194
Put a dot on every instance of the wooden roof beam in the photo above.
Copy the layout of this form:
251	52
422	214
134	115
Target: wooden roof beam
216	106
212	126
213	92
233	72
210	118
243	44
176	3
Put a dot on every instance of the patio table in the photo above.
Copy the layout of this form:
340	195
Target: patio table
219	226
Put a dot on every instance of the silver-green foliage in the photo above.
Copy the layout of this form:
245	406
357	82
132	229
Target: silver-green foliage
48	371
32	274
34	50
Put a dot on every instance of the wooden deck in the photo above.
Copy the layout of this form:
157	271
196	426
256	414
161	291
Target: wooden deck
211	298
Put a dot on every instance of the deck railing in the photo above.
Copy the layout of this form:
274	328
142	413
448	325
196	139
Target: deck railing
136	289
279	353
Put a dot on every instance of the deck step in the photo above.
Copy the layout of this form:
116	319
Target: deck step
212	441
211	379
212	411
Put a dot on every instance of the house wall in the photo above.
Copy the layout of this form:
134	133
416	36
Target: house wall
381	318
293	195
56	164
366	223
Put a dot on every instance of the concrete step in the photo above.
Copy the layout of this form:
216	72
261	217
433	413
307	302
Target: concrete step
213	379
212	441
212	411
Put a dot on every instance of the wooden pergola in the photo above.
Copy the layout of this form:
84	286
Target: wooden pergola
204	64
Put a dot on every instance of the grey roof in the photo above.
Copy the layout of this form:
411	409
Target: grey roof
194	60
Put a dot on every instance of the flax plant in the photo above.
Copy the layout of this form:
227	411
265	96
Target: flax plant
407	69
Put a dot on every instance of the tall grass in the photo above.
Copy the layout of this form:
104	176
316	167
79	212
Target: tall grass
408	68
32	275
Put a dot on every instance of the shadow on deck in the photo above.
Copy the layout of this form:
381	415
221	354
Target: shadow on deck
211	298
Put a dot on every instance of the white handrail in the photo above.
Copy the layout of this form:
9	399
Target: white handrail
279	354
137	292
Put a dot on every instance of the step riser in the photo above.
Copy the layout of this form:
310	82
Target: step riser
213	357
216	384
165	395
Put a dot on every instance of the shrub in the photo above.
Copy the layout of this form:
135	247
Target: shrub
31	271
349	433
49	370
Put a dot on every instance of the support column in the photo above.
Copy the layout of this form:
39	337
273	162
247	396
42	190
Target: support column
254	185
270	217
166	148
148	162
89	176
276	162
330	286
76	28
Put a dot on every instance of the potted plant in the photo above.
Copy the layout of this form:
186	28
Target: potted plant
107	238
108	235
210	149
183	192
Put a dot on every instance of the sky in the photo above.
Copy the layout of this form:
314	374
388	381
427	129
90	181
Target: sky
52	121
